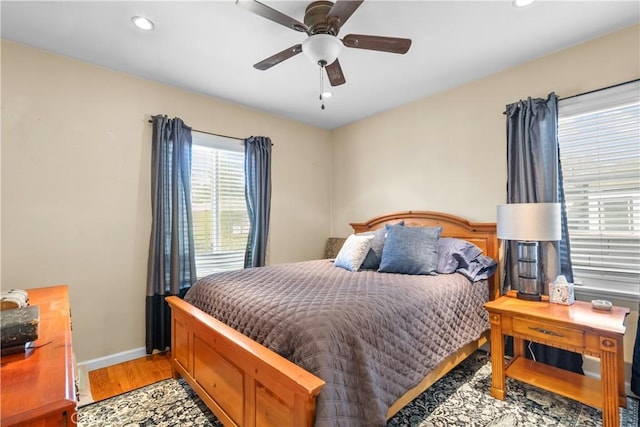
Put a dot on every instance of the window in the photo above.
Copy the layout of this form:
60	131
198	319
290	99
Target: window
220	221
599	135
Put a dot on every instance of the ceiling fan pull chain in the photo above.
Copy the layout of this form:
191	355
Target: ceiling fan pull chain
321	86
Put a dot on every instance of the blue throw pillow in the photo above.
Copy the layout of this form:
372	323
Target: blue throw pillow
455	253
410	250
372	261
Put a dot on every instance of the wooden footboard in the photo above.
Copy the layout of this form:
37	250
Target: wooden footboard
244	383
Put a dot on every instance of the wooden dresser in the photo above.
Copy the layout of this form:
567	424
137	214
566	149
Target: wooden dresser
38	387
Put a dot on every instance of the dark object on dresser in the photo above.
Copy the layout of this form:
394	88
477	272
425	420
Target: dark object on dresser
18	327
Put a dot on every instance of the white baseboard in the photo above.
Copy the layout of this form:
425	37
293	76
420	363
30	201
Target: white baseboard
83	386
627	384
114	359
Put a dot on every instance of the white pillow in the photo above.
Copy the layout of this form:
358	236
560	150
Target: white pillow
353	252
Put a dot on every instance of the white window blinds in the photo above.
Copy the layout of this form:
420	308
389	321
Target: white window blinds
220	221
599	135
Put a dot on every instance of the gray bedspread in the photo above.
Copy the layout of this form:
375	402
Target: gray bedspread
370	336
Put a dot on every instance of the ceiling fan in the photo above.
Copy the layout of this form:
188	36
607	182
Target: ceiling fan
322	23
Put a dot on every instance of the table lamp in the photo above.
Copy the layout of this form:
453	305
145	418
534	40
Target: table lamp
528	224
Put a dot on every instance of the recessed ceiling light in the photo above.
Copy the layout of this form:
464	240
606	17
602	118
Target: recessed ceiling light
522	3
142	23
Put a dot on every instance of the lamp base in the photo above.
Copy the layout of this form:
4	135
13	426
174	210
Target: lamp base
529	297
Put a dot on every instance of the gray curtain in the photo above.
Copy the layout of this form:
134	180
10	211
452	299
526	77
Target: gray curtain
535	176
635	365
171	267
257	170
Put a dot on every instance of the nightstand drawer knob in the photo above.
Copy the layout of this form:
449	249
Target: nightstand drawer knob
546	332
608	343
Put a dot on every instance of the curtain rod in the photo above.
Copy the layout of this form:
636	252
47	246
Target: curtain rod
598	90
593	91
214	134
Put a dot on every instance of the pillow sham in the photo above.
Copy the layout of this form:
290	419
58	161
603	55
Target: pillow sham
480	268
353	252
372	260
410	250
454	253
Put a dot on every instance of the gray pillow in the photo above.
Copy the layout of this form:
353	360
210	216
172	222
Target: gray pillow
372	261
353	252
410	250
454	253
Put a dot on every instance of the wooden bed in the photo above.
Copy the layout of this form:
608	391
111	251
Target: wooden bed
246	384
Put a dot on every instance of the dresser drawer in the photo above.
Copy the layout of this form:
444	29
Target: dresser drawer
546	333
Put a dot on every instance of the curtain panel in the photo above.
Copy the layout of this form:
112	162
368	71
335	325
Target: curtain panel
635	365
257	170
534	175
171	266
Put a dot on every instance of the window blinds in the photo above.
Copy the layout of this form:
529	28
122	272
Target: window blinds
220	221
599	136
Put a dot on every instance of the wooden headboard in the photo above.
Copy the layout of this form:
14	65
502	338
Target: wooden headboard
482	234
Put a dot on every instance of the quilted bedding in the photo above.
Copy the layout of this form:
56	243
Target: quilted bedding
370	336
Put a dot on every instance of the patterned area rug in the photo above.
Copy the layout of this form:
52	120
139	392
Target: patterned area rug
461	398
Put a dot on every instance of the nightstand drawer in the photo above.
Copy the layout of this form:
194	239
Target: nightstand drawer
563	337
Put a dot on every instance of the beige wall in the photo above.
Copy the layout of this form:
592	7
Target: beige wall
76	185
75	169
447	152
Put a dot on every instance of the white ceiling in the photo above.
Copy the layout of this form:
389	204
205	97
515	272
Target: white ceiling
210	46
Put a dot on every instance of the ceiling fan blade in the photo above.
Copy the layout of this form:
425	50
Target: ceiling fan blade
272	14
334	72
341	11
265	64
383	44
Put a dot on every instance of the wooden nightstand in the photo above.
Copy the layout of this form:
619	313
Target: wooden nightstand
577	327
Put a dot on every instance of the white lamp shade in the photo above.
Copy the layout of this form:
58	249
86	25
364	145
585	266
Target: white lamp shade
529	222
322	48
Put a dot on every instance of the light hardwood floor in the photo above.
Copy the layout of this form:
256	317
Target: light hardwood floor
127	376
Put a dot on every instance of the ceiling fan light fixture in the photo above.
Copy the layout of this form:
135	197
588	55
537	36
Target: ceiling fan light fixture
322	49
522	3
326	95
142	23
